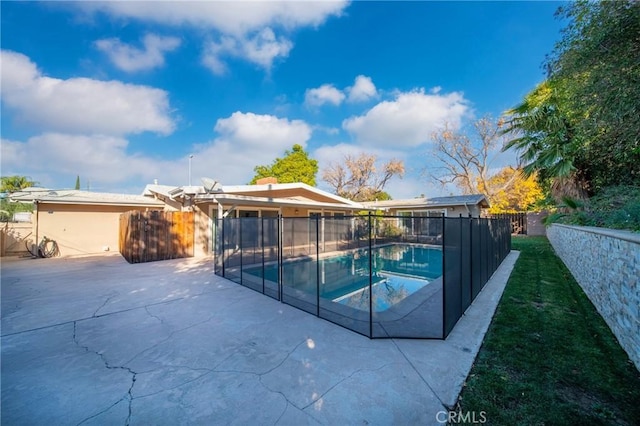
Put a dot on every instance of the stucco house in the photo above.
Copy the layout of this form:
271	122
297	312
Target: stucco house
272	199
84	222
451	206
81	222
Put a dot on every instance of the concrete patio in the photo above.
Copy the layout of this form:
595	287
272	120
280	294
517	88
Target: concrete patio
95	340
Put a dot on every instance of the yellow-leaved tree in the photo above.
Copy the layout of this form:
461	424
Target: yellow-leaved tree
512	191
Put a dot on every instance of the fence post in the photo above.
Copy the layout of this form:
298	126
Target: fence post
317	265
370	282
470	258
262	247
460	284
444	278
223	245
280	254
239	219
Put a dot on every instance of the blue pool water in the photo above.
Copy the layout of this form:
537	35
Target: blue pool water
397	271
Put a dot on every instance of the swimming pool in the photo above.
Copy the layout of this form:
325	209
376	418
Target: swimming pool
398	271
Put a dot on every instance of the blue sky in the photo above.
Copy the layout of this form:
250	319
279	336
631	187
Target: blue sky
122	93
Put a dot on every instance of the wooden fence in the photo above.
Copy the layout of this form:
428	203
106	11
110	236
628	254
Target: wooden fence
518	222
156	235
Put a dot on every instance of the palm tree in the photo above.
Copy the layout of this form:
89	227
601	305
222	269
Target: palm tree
545	140
16	183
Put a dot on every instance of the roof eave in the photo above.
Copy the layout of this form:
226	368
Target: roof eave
100	203
282	186
224	198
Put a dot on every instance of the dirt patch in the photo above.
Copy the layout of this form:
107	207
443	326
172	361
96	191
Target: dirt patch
589	403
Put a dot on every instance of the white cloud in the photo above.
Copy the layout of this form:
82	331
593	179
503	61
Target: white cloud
362	90
236	18
102	159
265	47
409	120
262	131
81	105
246	140
11	156
324	94
241	25
214	51
129	58
261	49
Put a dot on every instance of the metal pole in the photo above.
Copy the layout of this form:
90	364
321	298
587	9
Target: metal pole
461	265
471	258
317	265
190	157
280	253
224	249
262	244
444	279
370	283
240	241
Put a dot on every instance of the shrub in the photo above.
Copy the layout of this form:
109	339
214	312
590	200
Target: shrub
616	207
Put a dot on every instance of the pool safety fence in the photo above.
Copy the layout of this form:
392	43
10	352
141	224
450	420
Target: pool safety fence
380	276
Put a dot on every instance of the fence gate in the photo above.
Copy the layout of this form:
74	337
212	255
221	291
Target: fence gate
156	235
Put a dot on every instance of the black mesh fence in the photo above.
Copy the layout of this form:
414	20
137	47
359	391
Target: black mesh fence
380	276
473	248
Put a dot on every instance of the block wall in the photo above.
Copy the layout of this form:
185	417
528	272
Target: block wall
606	264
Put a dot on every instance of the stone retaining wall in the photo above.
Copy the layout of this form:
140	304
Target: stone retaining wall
606	264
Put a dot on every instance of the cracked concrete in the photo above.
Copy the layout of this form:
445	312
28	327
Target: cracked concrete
96	341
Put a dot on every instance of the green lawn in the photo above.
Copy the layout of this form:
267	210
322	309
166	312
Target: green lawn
548	357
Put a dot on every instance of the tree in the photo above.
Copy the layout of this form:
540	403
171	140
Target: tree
295	166
545	138
546	141
464	160
11	184
596	62
15	183
77	182
358	178
522	195
580	127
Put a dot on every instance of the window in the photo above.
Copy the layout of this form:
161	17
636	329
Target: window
417	222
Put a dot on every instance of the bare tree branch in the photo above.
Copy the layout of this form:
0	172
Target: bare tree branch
466	160
359	179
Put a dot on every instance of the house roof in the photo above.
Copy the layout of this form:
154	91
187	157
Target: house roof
241	194
245	195
73	196
153	189
247	200
239	189
435	202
